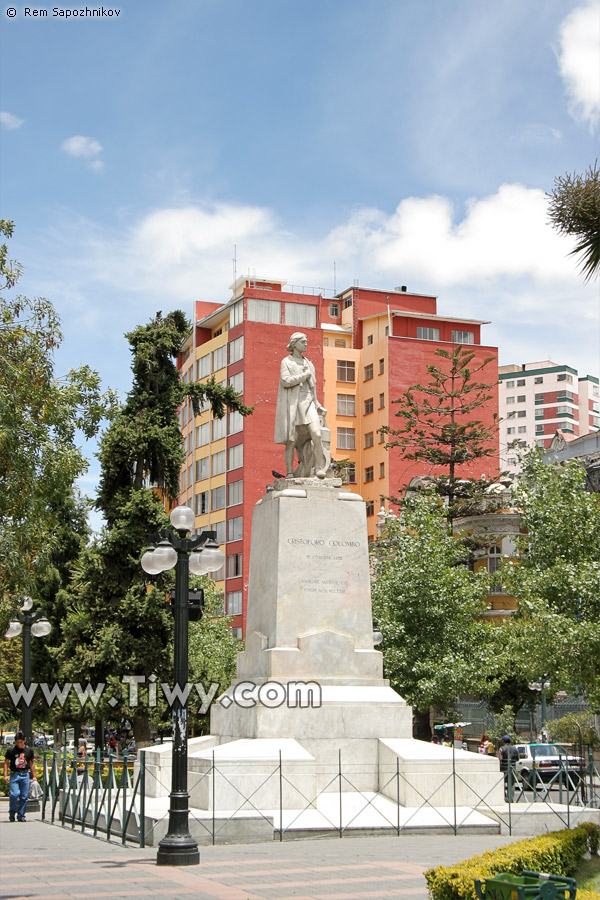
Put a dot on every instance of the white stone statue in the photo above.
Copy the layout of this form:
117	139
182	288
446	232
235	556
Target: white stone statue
297	422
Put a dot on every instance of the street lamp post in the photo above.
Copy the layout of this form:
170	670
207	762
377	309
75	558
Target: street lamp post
28	623
542	686
199	555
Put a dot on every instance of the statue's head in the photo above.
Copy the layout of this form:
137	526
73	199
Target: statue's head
297	336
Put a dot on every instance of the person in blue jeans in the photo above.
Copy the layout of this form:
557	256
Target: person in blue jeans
20	760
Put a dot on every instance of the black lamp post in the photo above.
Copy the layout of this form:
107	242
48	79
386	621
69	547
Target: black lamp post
200	555
28	623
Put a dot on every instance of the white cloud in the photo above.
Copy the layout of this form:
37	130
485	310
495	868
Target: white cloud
9	121
86	148
579	61
78	145
500	261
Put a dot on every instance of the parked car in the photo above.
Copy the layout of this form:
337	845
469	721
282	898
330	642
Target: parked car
543	762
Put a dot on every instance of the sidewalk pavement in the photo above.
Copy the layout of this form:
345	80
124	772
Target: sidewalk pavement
40	861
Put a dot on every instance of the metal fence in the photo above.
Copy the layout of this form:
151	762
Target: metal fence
107	797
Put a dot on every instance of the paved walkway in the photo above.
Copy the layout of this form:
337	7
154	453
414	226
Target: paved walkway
48	862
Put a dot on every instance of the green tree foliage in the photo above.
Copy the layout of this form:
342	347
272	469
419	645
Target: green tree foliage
116	624
439	429
41	418
427	603
557	578
574	208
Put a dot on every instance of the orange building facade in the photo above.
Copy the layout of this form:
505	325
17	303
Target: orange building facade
367	347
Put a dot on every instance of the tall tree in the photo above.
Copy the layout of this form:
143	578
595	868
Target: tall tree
40	417
574	209
440	430
427	603
557	577
116	624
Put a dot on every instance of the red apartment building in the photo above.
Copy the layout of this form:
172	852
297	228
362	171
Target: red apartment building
367	347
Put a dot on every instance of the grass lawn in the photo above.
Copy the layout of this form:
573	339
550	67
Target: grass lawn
588	874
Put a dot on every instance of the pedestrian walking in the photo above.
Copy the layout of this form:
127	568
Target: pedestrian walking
19	758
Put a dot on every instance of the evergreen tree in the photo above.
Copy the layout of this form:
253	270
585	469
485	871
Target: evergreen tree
116	624
439	429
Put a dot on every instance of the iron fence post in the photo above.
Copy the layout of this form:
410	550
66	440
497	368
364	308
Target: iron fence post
142	786
340	786
280	801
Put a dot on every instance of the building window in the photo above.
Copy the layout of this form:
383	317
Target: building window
520	382
183	481
369	475
564	377
219	358
219	428
369	340
236	350
346	370
368	372
564	411
346	439
217	498
236	314
510	430
217	464
521	398
564	395
428	334
203	366
334	310
235	422
509	384
387	331
511	461
339	342
368	440
235	493
521	414
370	507
202	468
539	429
539	398
522	429
348	474
184	414
264	311
234	565
235	529
234	603
510	399
381	366
539	413
346	405
381	401
302	314
539	379
235	457
381	437
382	470
368	406
347	301
326	342
493	564
201	503
463	337
237	382
202	434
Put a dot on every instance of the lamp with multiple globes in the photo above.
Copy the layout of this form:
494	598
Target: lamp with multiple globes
27	623
199	555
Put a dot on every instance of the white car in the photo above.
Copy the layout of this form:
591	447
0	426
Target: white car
542	763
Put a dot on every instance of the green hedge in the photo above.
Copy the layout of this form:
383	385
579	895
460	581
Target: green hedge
558	853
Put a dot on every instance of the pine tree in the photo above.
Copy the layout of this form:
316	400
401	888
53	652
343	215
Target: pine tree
439	429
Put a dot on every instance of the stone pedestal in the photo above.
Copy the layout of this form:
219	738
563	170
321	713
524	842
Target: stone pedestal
310	621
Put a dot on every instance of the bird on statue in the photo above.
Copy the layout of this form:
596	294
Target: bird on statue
276	474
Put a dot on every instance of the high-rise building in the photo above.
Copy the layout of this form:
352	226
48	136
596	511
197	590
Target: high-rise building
537	399
367	347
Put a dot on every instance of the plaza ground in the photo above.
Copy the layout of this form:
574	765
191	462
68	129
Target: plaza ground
49	862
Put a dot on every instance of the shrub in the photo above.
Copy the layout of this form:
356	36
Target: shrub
558	852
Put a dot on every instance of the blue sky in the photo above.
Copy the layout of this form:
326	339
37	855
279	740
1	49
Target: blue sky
411	141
